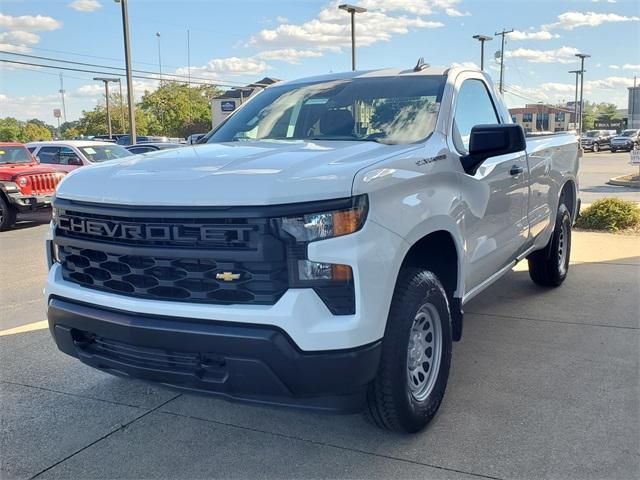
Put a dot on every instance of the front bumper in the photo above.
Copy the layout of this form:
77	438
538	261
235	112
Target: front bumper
29	202
242	362
622	146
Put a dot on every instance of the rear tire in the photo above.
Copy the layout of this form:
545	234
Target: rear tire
613	150
8	215
549	267
416	355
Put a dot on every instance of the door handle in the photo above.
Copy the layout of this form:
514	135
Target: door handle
516	170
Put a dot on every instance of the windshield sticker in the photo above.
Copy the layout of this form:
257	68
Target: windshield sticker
2	152
90	151
316	101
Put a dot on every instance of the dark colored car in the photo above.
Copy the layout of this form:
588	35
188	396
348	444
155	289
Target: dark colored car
595	140
627	140
126	139
25	185
146	147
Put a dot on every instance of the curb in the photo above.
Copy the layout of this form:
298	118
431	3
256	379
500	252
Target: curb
619	182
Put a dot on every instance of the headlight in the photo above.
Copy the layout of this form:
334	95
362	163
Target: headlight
22	181
318	226
9	187
332	282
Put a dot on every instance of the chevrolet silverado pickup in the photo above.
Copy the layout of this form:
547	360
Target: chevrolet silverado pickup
318	249
25	185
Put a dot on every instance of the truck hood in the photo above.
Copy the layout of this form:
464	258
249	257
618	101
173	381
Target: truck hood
229	174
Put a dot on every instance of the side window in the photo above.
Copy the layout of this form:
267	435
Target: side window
474	107
31	149
49	155
69	157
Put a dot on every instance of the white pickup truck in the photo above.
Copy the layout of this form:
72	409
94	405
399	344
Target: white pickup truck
319	250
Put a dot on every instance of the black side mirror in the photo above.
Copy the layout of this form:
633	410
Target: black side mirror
488	141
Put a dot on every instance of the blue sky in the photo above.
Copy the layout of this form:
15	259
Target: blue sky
241	41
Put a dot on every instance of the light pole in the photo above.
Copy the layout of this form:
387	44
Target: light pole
581	56
127	61
106	81
352	9
482	39
575	101
503	34
159	57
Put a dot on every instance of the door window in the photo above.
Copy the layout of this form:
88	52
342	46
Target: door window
69	157
474	107
49	155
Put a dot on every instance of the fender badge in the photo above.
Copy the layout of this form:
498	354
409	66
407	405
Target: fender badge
427	161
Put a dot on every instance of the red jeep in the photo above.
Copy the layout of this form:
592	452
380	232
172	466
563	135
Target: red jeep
25	185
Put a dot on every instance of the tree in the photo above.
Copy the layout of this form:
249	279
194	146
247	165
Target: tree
9	129
12	130
607	111
177	110
51	128
94	122
32	132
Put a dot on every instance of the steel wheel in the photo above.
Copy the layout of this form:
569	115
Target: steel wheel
424	352
596	147
562	249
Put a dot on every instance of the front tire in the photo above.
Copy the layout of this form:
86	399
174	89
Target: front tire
8	215
549	267
596	148
416	355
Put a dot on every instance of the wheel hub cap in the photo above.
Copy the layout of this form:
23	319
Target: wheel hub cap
424	352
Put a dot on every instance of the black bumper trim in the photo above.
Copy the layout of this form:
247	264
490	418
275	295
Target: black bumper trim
29	202
236	361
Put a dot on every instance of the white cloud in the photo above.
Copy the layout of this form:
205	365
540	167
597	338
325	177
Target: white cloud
85	5
540	35
91	90
614	67
228	66
9	47
454	12
629	66
571	20
472	65
558	55
19	37
331	27
29	23
288	55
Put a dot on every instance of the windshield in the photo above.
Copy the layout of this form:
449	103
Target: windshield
628	133
102	153
384	109
592	133
14	154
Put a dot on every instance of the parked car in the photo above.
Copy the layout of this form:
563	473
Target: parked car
67	155
626	141
146	147
318	260
596	140
25	185
126	139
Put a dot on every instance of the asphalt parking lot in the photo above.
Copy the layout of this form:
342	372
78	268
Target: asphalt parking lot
597	168
544	384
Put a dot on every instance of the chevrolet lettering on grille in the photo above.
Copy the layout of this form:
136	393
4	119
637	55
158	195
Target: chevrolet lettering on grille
138	231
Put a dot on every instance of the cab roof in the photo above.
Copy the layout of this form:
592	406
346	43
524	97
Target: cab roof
74	143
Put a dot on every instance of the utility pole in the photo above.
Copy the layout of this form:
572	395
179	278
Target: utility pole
581	56
121	106
189	70
159	57
482	39
352	9
106	81
503	34
127	61
64	109
575	102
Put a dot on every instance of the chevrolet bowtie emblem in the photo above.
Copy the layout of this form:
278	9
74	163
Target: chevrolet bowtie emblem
227	276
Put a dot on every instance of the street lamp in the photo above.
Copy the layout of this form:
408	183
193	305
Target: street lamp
575	101
159	57
482	39
127	61
352	9
106	81
581	56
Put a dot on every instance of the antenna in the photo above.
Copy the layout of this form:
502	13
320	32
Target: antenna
420	65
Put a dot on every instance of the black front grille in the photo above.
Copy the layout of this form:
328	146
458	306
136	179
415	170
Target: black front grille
200	280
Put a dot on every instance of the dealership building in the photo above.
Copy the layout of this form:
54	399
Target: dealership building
226	103
543	118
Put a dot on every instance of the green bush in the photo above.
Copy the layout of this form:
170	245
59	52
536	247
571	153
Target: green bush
610	214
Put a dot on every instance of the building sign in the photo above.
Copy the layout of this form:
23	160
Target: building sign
610	124
635	157
57	113
228	105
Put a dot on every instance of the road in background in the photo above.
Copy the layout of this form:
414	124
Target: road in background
544	384
597	168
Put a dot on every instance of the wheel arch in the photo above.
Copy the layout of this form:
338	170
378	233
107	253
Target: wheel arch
569	195
439	252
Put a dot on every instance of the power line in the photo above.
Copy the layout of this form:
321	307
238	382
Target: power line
103	72
85	64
